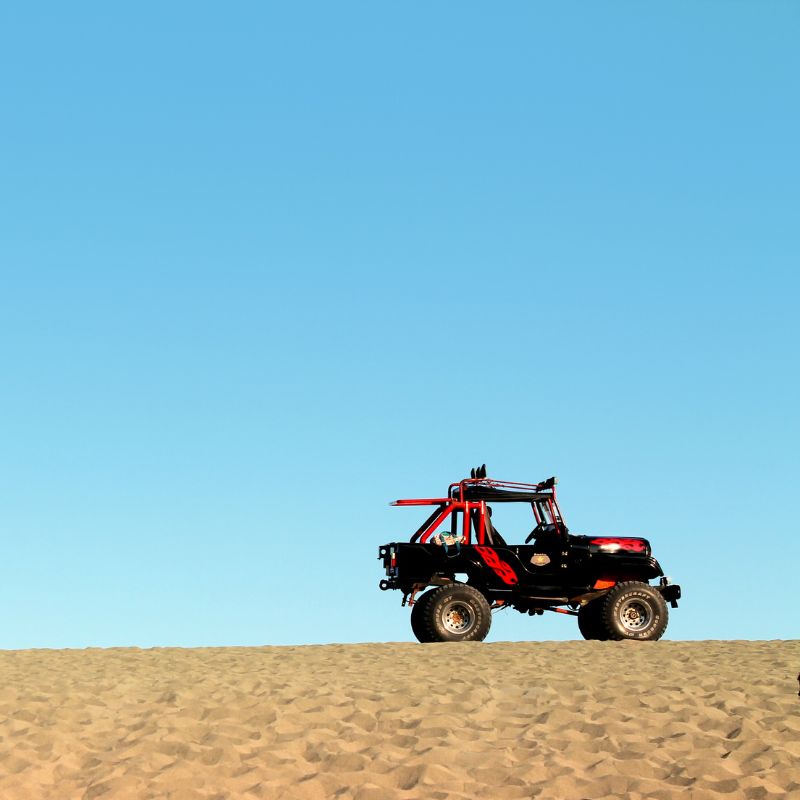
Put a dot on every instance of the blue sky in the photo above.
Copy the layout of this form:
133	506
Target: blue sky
267	267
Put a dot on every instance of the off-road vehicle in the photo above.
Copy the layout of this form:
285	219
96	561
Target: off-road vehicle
602	580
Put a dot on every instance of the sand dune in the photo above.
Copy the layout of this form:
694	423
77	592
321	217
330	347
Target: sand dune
377	721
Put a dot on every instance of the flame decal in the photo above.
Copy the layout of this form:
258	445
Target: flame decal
616	543
500	568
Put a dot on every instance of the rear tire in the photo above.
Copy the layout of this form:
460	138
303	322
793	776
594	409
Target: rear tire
634	610
418	616
590	622
456	613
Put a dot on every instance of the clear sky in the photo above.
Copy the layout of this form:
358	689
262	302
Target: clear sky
266	267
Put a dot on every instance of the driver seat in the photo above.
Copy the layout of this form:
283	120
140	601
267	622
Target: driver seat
493	536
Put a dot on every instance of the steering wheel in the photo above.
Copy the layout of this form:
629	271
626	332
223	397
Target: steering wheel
535	532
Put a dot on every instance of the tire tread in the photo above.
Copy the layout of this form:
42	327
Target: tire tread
608	621
434	632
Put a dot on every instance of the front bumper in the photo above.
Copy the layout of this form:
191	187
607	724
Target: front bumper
671	592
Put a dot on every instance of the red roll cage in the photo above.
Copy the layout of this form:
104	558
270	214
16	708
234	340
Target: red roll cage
541	496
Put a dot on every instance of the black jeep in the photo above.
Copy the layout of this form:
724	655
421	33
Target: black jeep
602	580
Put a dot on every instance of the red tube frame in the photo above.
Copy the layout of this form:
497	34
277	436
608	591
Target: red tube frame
453	504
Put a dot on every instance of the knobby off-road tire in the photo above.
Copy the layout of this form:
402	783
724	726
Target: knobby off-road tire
634	610
590	622
417	616
456	613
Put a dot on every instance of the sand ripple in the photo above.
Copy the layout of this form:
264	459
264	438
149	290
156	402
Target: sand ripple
371	722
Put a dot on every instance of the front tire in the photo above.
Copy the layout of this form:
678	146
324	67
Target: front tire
634	610
456	613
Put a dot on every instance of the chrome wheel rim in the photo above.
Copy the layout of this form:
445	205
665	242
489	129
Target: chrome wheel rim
458	617
635	615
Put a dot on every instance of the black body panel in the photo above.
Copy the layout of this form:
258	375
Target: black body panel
538	570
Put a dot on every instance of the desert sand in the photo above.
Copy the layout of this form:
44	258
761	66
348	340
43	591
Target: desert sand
374	721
